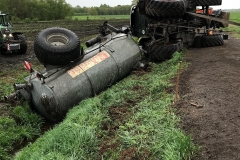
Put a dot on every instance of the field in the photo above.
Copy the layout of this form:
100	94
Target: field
109	125
234	16
134	119
82	28
101	17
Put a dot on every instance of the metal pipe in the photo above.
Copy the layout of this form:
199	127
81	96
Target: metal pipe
93	41
19	86
113	28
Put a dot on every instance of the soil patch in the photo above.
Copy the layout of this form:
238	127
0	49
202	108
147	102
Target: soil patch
209	107
8	61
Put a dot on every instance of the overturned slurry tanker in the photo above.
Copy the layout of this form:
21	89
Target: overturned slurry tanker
72	74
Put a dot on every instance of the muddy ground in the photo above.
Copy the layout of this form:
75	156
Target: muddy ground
7	61
210	101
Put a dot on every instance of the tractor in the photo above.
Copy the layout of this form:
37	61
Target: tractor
166	26
10	42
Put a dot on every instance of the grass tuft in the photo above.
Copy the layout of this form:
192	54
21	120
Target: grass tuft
22	126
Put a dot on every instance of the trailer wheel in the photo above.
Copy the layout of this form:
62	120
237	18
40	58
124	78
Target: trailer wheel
57	46
163	8
212	40
158	52
208	2
23	43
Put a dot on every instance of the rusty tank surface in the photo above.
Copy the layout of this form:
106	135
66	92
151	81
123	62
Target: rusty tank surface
60	87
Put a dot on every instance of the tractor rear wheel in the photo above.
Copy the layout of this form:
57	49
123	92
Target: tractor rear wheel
163	8
208	2
23	44
57	46
212	40
158	52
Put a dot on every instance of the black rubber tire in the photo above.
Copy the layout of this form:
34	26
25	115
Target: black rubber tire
212	40
3	52
158	52
165	8
57	46
197	42
208	2
23	44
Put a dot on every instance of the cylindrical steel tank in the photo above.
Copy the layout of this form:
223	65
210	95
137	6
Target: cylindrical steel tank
103	65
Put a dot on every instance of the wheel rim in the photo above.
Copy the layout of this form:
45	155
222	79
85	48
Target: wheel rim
58	39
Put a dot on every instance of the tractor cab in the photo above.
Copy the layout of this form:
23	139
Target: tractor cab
5	20
10	41
5	25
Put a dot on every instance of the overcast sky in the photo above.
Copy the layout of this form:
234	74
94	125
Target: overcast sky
227	4
97	3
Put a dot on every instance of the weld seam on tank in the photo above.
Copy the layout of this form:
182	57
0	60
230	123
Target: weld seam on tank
93	93
110	52
118	68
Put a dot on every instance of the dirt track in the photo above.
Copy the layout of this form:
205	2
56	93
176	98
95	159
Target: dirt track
210	105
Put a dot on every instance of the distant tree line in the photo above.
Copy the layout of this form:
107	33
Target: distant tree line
37	9
43	10
103	10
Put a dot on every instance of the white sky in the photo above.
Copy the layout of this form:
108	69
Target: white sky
227	4
97	3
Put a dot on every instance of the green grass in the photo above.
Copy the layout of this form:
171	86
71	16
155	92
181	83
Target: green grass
8	77
18	124
23	125
149	125
101	17
14	75
235	17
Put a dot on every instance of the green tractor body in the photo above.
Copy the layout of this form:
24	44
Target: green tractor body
10	41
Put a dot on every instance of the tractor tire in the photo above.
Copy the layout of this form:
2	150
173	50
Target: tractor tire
197	42
23	44
211	41
158	52
165	8
57	46
208	2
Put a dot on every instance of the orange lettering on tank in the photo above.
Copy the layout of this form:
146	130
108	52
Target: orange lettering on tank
79	69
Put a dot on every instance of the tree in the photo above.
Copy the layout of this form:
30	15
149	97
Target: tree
103	10
93	11
134	2
37	9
